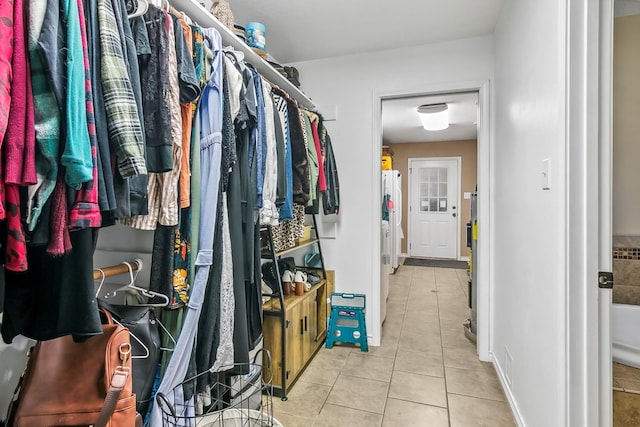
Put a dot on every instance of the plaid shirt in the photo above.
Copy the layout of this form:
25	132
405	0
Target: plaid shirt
47	120
125	131
85	212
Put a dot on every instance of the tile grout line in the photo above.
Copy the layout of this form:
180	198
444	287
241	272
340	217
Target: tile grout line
444	370
393	368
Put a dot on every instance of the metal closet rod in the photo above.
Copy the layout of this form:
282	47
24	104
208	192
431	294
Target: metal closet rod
115	270
196	12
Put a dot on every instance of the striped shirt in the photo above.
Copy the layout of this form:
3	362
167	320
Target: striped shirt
163	187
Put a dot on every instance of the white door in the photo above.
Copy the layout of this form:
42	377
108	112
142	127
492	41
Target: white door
433	207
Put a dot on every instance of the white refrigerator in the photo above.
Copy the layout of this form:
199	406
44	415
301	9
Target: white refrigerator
392	197
385	268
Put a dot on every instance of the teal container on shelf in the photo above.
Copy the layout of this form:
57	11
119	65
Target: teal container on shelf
256	33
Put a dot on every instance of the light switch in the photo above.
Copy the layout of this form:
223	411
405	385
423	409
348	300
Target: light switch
546	170
467	195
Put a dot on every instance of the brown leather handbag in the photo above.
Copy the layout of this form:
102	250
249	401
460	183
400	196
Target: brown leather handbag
78	384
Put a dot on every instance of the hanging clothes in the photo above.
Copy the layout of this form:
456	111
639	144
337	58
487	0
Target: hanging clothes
130	193
299	160
232	87
132	190
286	210
269	214
85	211
312	157
18	145
244	126
154	75
76	154
56	296
224	357
315	120
6	56
259	135
46	120
125	130
208	338
186	111
214	349
180	245
331	197
281	191
210	151
162	189
106	190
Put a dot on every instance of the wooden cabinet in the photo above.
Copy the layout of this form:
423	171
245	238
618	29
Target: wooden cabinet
304	332
308	323
294	327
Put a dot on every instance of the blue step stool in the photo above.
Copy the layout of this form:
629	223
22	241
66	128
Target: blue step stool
347	321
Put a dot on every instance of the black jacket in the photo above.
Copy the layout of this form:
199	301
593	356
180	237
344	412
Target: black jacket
331	197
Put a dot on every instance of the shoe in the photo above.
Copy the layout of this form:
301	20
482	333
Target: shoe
287	285
301	280
313	279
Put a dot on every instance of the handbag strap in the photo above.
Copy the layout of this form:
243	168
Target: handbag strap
118	382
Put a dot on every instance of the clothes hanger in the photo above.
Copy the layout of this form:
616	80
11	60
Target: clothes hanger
146	349
166	331
145	292
142	291
132	335
101	281
143	6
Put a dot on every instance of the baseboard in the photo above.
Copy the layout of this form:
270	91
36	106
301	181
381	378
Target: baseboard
507	391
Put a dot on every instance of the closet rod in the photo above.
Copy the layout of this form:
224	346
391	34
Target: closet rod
205	19
115	270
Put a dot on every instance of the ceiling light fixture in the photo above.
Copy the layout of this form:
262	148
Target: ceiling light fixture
434	116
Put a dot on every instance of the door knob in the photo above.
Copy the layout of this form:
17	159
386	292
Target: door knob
454	214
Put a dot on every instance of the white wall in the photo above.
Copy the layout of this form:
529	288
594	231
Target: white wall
529	264
352	84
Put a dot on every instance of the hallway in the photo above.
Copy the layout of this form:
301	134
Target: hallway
425	373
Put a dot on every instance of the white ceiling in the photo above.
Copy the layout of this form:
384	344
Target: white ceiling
401	123
299	30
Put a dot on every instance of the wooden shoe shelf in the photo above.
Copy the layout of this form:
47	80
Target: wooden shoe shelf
295	327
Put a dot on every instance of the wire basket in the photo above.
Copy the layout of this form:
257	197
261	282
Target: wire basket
244	401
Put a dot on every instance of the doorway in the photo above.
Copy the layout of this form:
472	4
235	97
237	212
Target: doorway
434	197
480	176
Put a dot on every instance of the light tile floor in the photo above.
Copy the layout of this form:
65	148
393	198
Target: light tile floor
425	373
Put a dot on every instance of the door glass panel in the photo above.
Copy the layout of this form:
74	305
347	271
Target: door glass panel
424	204
433	189
443	190
424	190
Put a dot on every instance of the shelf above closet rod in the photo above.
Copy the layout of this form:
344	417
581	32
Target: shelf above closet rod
115	270
205	19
